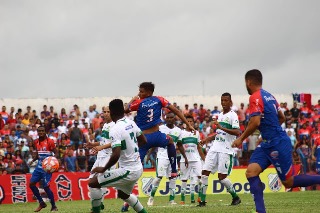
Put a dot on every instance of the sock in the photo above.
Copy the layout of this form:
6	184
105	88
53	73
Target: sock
172	188
305	180
135	203
256	189
155	185
36	193
103	193
192	191
50	195
183	191
172	154
227	183
204	186
95	196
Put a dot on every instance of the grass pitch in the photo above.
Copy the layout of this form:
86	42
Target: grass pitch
308	201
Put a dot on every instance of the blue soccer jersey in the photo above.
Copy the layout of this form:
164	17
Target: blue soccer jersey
148	111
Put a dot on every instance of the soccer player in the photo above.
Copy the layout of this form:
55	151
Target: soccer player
148	118
194	154
104	151
125	138
45	147
220	156
275	147
163	164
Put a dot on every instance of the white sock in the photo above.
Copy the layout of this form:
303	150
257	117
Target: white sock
95	196
172	188
204	184
227	183
155	185
134	203
103	193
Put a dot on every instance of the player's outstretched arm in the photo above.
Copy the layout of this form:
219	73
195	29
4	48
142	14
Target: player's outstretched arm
202	155
181	116
141	140
183	153
253	124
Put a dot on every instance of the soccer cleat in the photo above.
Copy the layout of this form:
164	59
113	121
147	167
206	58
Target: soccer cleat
193	201
175	175
236	201
171	202
101	206
199	200
42	205
125	208
182	203
202	204
54	209
150	201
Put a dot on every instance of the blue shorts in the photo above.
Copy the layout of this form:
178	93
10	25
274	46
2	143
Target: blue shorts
155	139
39	174
280	156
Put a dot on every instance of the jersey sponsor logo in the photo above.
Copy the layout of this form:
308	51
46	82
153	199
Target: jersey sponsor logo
274	182
129	127
270	98
64	187
274	155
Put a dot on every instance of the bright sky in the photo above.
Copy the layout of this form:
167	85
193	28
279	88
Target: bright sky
107	48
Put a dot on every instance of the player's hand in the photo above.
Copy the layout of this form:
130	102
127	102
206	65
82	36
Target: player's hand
96	149
236	143
88	145
98	170
135	98
192	129
217	124
186	162
314	158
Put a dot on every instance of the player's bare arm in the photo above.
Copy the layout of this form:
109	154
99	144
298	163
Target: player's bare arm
281	117
183	153
112	161
253	124
96	149
181	116
126	109
202	155
207	139
235	132
141	140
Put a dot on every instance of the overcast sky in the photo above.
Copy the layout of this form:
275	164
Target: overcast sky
107	48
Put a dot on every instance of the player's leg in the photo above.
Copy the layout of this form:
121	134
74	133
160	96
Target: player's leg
161	168
35	178
132	200
47	177
258	162
284	167
224	170
195	173
95	194
184	176
172	190
210	166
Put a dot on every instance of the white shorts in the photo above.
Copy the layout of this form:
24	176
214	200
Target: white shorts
101	162
163	167
120	178
217	161
194	170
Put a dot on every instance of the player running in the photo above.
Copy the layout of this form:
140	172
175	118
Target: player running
45	147
104	152
193	151
163	164
220	156
125	138
275	148
148	118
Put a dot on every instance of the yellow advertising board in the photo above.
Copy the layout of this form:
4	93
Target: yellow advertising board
269	177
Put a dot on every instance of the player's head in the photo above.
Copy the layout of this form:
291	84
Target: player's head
170	118
116	109
106	114
226	101
190	120
146	89
253	79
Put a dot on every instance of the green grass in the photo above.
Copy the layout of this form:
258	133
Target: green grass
308	201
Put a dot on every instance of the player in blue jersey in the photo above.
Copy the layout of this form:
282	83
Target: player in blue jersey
148	119
275	148
45	147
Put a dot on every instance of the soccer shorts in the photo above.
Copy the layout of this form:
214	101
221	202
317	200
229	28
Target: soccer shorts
120	178
155	139
101	162
218	162
194	170
163	168
280	155
39	174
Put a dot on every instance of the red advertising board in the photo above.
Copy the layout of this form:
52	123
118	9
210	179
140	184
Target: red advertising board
65	186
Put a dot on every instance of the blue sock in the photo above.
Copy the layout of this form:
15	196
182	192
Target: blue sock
172	154
256	189
50	195
36	193
305	180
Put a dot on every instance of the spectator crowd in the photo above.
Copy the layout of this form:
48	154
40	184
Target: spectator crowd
71	130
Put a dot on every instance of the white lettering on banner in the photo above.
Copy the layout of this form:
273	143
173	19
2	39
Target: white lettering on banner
18	187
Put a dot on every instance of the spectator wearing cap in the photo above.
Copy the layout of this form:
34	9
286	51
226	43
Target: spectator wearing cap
75	135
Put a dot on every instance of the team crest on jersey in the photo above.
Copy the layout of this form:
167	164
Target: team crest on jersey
147	185
274	154
274	182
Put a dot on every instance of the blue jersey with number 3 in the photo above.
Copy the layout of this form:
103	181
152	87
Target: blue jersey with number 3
148	111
